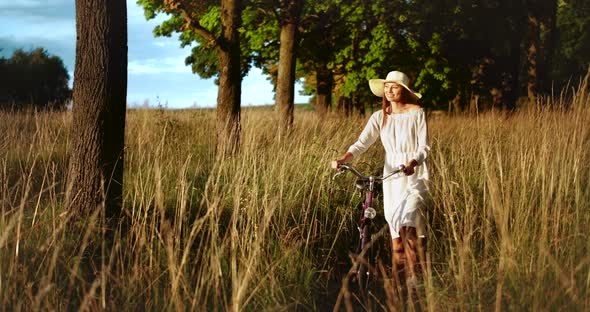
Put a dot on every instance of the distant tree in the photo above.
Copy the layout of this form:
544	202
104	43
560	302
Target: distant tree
532	43
289	14
539	45
548	45
325	34
481	41
33	79
215	27
270	39
98	128
4	80
573	42
461	54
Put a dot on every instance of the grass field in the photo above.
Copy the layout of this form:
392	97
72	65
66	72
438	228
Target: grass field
509	224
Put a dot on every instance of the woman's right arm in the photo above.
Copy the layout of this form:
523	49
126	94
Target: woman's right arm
366	139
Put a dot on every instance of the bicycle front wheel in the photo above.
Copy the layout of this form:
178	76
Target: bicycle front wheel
363	275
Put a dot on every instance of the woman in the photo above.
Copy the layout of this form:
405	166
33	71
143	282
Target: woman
401	124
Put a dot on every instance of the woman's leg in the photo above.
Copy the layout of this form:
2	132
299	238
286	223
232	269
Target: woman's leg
398	258
406	249
398	262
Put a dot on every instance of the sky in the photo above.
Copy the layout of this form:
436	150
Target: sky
156	71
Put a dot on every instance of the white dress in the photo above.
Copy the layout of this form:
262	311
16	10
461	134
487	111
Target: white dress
404	137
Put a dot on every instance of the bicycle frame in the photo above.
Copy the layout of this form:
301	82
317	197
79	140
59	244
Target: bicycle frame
366	184
367	213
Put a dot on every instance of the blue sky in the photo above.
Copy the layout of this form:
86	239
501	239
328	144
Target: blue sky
157	73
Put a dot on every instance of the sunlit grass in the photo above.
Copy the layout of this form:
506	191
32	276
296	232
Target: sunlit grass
269	229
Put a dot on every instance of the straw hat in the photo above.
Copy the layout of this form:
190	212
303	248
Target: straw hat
398	77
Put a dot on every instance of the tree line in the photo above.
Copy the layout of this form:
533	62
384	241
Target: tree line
33	79
461	54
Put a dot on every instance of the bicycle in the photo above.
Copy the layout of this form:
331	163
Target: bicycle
365	184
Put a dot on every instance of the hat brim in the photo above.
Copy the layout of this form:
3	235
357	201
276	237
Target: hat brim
376	86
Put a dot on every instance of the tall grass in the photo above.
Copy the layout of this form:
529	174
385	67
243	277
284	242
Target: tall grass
269	229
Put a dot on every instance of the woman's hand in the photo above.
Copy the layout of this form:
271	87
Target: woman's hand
335	164
409	169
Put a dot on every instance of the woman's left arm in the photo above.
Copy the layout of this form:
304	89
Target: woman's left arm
423	145
423	141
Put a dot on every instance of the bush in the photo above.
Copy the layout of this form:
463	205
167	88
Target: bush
33	80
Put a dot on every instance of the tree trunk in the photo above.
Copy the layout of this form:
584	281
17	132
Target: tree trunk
497	97
230	79
360	105
474	103
457	108
532	48
510	83
99	96
508	62
548	45
345	105
323	89
477	75
291	10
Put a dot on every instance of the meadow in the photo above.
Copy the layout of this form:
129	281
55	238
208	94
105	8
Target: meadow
269	229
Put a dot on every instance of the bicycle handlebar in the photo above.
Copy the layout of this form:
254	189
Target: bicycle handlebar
346	167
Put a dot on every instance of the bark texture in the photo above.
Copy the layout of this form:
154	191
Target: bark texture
285	96
230	79
324	82
547	45
99	97
532	44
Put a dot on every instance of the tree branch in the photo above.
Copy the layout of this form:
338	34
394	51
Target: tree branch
190	23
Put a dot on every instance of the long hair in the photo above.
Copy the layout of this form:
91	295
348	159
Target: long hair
384	105
406	97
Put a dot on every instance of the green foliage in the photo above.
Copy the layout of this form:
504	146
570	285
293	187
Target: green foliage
211	20
448	47
168	27
379	36
261	35
204	53
573	57
206	65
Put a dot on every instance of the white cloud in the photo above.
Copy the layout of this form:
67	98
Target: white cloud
205	98
161	44
136	15
256	90
20	4
157	66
